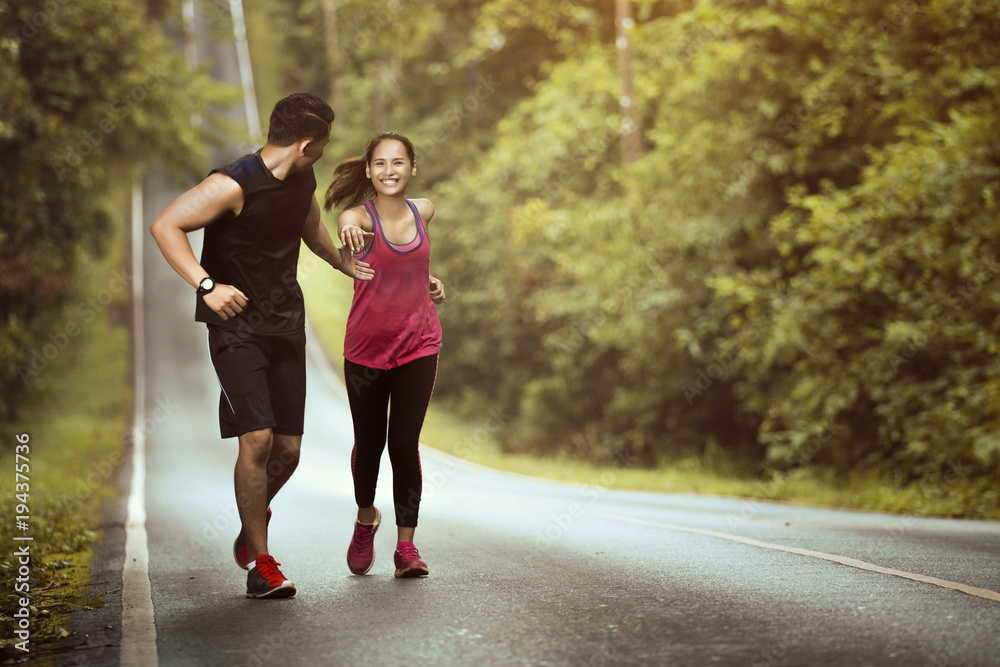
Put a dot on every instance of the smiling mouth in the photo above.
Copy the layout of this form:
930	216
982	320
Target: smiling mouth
390	181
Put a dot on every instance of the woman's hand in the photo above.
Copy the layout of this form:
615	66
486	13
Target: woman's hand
355	238
437	290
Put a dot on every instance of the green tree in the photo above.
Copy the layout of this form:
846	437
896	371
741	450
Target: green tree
810	237
443	73
883	345
801	273
86	94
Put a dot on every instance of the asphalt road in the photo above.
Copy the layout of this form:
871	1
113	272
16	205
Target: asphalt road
523	572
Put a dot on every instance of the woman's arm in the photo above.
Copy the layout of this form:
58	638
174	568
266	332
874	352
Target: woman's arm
425	207
354	227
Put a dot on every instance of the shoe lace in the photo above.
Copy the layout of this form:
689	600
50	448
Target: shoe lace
363	535
408	553
269	569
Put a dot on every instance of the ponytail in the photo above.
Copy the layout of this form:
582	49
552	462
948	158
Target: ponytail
349	184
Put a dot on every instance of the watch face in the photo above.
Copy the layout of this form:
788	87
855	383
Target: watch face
207	283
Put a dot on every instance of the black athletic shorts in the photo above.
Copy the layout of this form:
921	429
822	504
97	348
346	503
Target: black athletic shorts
263	380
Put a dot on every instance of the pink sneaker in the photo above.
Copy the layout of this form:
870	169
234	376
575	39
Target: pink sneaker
240	546
361	553
408	563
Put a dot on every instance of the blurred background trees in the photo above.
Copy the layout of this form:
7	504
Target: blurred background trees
88	93
800	268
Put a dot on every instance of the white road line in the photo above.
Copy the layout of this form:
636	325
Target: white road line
843	560
138	646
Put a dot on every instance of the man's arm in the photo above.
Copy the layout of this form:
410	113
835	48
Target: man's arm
197	208
317	239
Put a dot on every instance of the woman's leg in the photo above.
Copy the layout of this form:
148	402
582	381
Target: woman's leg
411	387
368	394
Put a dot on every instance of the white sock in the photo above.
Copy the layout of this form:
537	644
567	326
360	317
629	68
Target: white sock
252	564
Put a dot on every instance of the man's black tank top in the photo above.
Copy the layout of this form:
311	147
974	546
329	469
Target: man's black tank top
257	251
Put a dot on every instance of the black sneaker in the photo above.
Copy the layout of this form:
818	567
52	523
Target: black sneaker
266	580
240	552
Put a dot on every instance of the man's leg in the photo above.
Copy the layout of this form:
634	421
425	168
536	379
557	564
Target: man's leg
287	392
283	461
251	483
264	579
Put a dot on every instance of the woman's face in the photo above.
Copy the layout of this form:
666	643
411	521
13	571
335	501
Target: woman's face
390	168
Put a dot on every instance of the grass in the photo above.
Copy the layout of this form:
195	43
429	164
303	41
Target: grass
75	418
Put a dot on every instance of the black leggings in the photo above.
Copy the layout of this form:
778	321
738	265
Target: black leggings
369	390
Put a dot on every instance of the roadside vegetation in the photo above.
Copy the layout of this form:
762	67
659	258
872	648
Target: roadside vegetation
89	95
76	439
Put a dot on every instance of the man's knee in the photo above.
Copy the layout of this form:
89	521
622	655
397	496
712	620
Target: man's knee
286	449
257	444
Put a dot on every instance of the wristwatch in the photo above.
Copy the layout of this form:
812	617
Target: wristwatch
205	286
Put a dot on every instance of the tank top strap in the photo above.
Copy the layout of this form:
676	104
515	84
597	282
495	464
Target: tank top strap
421	228
370	207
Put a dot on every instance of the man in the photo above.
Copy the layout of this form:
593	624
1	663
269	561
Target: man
254	211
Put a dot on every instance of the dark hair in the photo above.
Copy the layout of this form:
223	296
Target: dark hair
350	183
299	116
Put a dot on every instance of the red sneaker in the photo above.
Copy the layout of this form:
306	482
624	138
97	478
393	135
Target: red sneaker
361	553
266	581
408	563
240	546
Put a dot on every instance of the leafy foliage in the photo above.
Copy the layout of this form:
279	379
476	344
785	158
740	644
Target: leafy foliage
797	270
804	264
88	91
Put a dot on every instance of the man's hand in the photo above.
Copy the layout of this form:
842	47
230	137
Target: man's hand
355	268
436	290
226	301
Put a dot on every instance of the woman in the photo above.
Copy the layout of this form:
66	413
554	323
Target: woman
392	340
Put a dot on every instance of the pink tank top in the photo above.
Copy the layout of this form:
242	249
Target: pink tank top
393	320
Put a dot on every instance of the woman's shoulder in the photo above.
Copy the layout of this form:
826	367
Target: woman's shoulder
425	207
